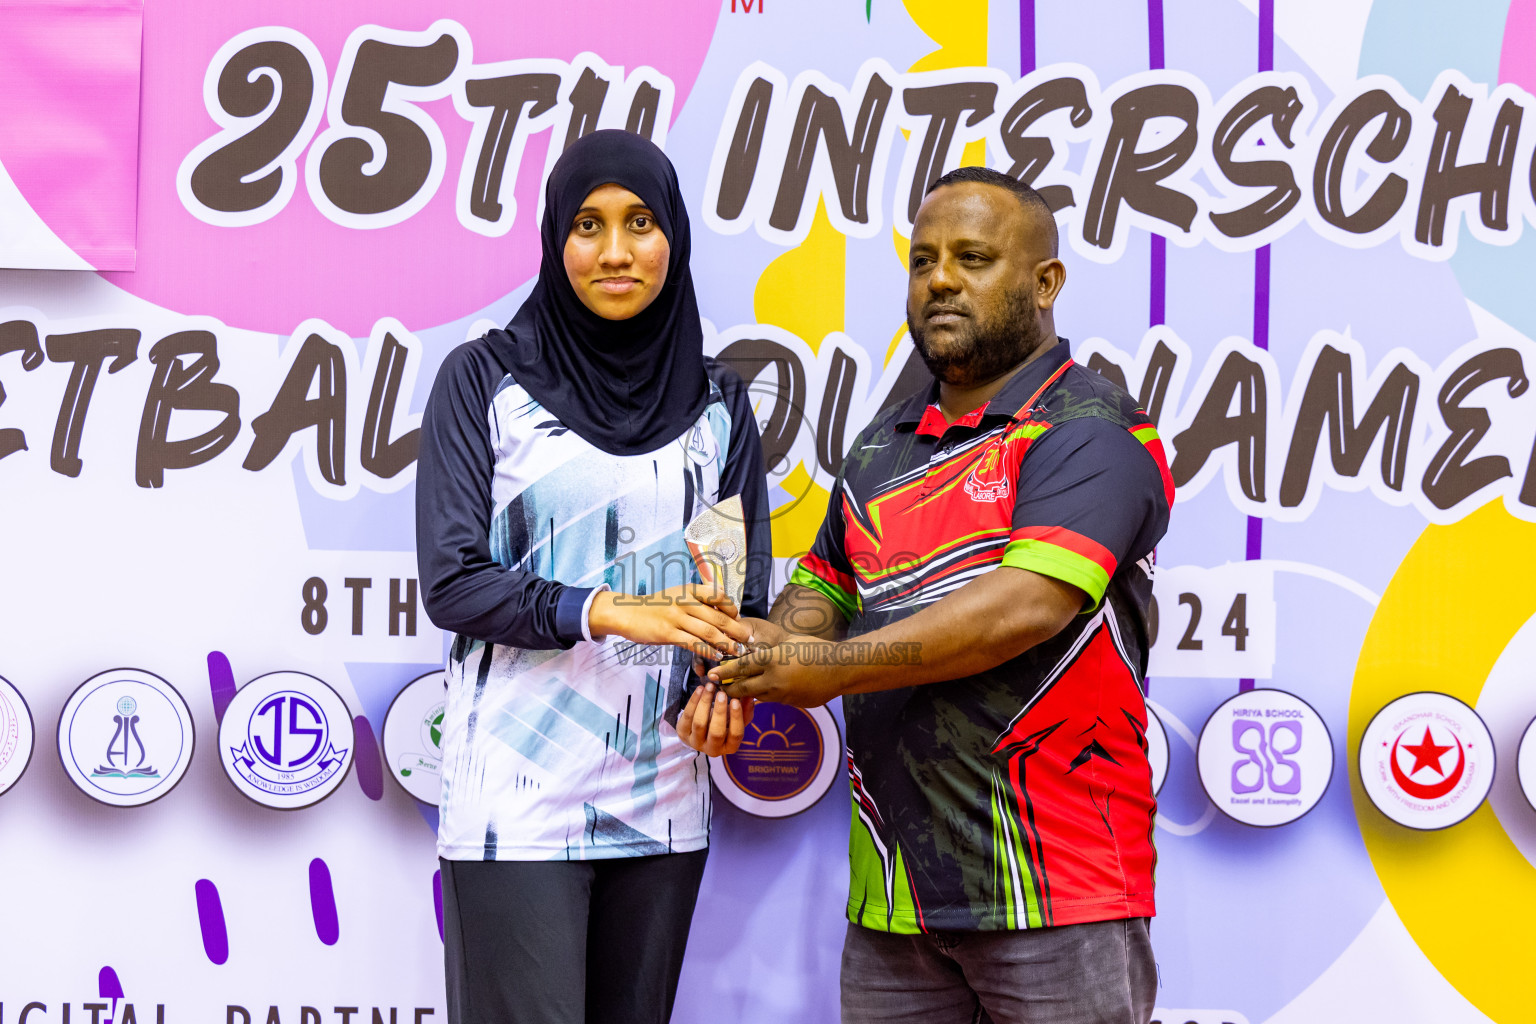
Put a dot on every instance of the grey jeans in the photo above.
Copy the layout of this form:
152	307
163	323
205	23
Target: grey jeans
1097	973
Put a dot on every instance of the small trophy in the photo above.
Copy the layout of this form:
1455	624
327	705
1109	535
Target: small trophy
717	539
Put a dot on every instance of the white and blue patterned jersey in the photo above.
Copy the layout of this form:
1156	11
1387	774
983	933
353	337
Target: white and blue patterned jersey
556	746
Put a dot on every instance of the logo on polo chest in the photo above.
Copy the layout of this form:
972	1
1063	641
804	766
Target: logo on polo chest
989	480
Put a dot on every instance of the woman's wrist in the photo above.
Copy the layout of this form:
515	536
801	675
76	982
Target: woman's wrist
588	633
603	616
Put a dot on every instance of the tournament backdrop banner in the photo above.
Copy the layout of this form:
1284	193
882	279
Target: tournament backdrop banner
69	133
1297	231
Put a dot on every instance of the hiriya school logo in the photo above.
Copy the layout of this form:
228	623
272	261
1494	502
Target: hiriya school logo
413	737
788	760
286	740
125	737
989	480
1265	757
16	735
1426	760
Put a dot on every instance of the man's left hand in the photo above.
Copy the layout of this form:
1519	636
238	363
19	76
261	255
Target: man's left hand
800	671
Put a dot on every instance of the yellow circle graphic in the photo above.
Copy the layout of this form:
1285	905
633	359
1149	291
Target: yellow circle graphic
1464	893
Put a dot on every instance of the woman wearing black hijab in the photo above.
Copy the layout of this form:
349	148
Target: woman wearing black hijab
561	460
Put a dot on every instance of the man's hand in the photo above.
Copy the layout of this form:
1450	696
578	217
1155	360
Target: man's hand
765	633
798	670
993	618
694	616
712	722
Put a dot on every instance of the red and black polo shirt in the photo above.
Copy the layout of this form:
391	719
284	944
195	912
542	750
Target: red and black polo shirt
1020	797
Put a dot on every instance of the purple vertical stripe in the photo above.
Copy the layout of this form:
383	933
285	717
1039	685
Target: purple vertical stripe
437	901
1261	297
1156	59
370	767
1255	545
1026	37
1255	539
210	918
1266	35
221	683
322	902
1157	288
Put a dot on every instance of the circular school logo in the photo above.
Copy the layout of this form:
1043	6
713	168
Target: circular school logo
125	737
286	740
1426	761
1525	764
788	760
413	737
1265	757
16	735
1157	750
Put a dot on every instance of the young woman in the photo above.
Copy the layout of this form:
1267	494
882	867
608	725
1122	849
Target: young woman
561	460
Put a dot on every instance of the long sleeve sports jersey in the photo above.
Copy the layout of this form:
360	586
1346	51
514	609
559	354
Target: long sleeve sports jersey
557	746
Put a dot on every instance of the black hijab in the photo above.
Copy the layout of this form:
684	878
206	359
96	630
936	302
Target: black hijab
624	386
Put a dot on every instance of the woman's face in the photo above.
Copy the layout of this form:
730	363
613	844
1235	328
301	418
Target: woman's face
616	256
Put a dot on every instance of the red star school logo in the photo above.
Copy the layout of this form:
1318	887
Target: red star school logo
1428	756
1426	760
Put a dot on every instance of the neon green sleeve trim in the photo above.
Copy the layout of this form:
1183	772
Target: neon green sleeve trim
846	603
1059	563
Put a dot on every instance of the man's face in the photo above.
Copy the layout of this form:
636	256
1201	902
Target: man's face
973	294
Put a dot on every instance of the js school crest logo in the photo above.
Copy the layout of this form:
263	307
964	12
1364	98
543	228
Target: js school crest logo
16	735
125	737
788	760
413	738
286	740
1426	761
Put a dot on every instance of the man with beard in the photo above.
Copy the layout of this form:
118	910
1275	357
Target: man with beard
978	595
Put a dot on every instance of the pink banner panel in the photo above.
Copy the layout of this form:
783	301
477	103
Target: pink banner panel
69	128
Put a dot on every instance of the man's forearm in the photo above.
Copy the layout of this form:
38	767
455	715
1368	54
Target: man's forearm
990	620
807	612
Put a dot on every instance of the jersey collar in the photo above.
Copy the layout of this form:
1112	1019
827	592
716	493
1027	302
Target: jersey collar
922	415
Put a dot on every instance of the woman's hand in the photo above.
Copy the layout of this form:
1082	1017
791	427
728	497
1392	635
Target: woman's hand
713	723
694	616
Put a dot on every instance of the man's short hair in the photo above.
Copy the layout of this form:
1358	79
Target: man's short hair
1033	202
